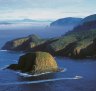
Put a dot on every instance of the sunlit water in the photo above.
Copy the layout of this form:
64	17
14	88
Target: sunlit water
61	81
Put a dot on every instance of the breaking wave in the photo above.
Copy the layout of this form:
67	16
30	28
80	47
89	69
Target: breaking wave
29	75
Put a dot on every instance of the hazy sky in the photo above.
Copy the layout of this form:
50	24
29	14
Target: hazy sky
46	9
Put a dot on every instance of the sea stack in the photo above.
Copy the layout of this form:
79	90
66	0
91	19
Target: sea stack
36	63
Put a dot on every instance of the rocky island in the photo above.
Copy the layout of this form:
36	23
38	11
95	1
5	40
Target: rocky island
35	63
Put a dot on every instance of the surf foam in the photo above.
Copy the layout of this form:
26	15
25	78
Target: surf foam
40	81
29	75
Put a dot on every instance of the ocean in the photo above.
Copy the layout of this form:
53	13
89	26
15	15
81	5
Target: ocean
78	75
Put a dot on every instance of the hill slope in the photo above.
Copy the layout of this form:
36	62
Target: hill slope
69	22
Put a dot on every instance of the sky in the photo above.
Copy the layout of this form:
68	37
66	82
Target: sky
46	9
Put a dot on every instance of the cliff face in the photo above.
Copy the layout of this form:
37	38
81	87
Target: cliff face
86	49
35	63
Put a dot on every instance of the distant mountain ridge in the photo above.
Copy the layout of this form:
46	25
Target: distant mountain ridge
87	23
69	22
89	18
14	21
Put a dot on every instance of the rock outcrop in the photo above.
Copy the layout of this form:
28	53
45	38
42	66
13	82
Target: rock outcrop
23	44
85	49
36	63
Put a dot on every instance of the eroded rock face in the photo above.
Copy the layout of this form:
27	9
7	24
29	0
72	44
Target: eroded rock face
86	49
36	63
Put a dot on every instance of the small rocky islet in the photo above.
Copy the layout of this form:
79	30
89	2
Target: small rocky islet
35	63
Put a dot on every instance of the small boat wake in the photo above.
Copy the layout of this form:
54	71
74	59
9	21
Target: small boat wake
41	81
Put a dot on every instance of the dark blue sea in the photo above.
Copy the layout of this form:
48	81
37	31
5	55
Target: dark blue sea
61	81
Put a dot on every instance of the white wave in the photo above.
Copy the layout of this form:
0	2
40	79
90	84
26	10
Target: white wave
78	77
3	50
63	70
39	81
29	75
4	67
